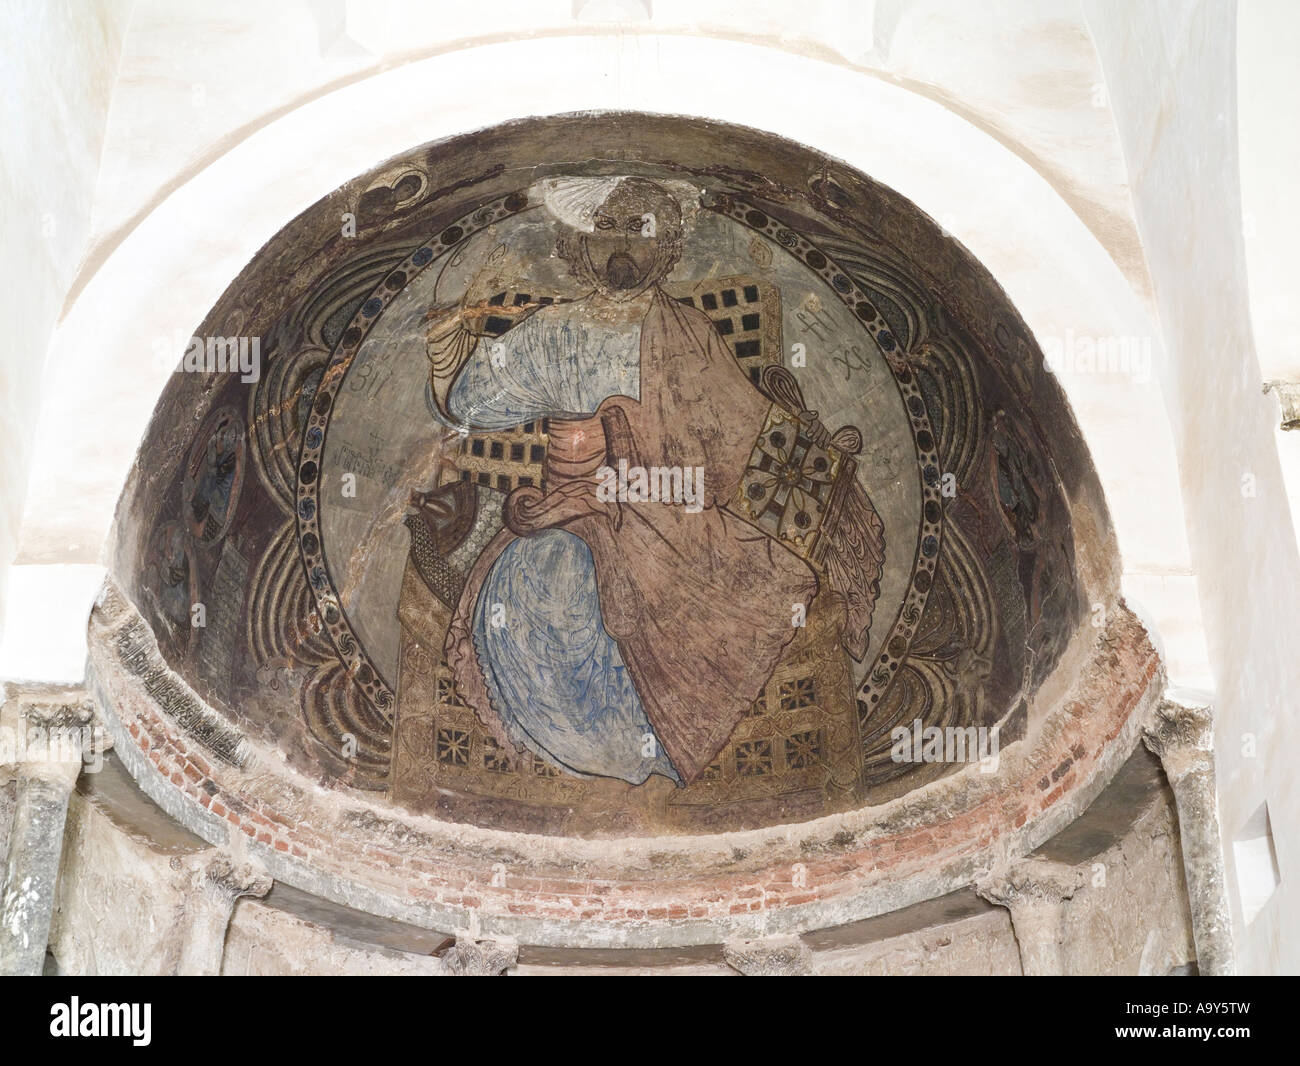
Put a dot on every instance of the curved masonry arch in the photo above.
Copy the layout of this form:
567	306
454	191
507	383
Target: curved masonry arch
631	891
1060	278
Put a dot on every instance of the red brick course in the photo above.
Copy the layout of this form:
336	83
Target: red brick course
1089	723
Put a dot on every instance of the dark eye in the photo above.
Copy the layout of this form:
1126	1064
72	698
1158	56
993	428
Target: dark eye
604	223
635	225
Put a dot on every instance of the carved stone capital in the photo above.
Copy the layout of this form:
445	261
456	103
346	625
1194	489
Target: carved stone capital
224	881
1288	394
58	714
47	733
217	883
773	956
1180	733
1030	882
1035	892
480	958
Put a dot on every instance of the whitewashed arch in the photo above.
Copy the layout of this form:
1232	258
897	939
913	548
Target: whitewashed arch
104	372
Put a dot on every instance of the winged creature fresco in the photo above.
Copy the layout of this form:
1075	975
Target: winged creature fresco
630	603
213	475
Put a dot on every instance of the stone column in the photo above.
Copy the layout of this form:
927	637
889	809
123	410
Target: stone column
221	883
1181	734
1035	892
48	749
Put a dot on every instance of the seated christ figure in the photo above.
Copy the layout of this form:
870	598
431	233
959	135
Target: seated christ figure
614	638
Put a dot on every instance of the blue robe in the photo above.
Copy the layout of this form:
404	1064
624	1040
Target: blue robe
554	675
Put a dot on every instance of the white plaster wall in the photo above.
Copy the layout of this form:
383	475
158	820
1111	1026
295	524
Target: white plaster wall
1268	107
58	64
1025	72
1171	71
1268	116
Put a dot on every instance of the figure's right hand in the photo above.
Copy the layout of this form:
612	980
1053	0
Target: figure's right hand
527	510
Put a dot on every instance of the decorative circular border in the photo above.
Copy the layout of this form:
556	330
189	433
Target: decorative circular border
353	656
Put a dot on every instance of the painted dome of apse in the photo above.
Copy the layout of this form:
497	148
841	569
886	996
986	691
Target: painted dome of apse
525	484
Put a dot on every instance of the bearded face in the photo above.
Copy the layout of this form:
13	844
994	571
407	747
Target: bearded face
634	243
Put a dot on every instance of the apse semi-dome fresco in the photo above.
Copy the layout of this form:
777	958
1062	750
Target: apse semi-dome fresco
781	493
613	475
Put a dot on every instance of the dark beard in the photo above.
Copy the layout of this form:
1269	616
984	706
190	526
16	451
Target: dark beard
621	271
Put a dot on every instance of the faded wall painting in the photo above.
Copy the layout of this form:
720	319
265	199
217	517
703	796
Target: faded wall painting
608	497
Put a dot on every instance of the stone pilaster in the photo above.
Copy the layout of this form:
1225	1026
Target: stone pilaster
1035	891
1181	734
221	883
45	745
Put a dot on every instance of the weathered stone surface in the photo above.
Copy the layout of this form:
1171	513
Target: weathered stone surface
479	958
8	798
266	941
782	956
1288	395
49	729
1181	733
217	885
640	892
133	879
1035	891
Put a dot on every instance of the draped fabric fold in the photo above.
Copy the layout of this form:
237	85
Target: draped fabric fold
701	604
